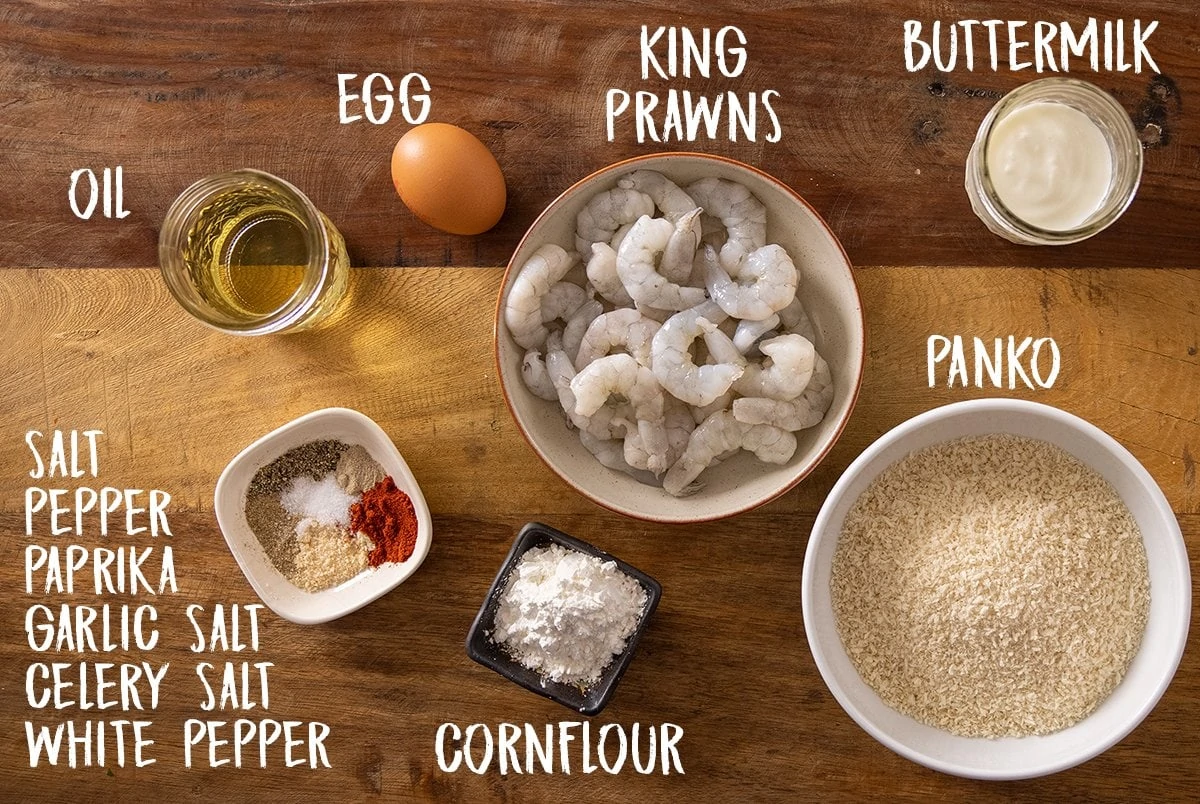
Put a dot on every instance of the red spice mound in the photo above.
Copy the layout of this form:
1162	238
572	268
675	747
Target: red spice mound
386	515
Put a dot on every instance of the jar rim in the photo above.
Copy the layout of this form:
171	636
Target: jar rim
1036	91
316	270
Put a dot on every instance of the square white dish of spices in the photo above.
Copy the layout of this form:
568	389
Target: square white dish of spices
323	515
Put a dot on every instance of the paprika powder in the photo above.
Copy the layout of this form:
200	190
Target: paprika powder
386	515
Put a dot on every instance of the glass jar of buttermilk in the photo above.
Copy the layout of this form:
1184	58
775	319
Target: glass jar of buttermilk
1055	161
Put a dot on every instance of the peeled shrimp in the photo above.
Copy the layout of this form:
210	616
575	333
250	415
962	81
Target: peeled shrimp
577	324
653	313
601	269
804	411
721	348
537	380
794	319
680	251
619	236
743	215
785	371
561	301
636	267
712	231
606	213
671	359
668	196
625	328
535	369
721	433
602	273
610	452
639	456
765	284
749	333
702	412
605	423
680	425
523	310
620	375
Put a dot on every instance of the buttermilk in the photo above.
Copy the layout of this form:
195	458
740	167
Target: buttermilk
1110	45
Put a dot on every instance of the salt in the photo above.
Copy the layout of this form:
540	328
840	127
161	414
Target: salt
322	500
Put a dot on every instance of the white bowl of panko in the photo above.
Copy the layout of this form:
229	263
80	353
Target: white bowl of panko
680	337
997	589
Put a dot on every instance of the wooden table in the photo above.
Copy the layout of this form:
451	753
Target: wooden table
93	341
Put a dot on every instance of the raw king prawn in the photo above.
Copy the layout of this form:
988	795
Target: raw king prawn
637	267
671	358
523	313
669	348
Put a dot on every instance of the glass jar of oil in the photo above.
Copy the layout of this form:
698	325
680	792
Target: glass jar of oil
247	253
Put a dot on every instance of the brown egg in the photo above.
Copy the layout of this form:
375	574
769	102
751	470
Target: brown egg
449	179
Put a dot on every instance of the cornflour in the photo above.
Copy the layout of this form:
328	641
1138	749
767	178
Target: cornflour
565	614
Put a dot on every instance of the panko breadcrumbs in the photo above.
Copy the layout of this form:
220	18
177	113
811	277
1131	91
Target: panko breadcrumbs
991	586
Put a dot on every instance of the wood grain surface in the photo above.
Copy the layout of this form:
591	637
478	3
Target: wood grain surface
414	352
725	657
173	95
91	339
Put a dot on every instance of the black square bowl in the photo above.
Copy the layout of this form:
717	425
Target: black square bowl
480	647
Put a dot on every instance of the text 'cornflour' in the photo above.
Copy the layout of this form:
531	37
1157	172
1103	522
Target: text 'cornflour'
566	747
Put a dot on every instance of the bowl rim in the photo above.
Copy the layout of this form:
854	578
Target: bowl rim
1172	538
531	535
624	165
339	603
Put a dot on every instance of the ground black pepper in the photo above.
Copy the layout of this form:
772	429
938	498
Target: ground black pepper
314	458
275	529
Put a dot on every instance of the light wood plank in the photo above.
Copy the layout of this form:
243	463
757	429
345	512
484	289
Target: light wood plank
725	658
109	349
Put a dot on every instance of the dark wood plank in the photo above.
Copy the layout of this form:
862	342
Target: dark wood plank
175	92
725	658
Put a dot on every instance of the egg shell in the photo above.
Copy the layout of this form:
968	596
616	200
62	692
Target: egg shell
449	179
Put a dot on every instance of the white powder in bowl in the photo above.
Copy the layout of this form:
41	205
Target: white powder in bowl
566	614
323	500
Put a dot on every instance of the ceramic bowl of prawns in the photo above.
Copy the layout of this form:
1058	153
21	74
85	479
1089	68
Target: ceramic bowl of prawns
680	337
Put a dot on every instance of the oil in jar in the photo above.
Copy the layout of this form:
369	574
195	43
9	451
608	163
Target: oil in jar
248	253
